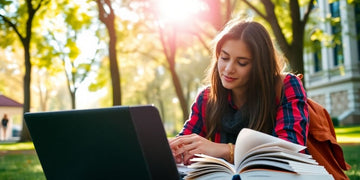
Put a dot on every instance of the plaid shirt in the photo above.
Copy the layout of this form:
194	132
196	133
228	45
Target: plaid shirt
292	119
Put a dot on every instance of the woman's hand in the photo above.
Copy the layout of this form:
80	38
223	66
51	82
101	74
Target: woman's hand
184	147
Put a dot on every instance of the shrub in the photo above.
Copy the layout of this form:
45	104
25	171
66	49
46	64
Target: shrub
335	121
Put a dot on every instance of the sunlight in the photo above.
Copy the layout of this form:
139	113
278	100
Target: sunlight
17	146
171	11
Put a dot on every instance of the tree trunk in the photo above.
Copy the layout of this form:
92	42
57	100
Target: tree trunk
108	20
114	68
25	40
297	63
168	41
295	57
73	99
25	135
179	92
216	14
292	51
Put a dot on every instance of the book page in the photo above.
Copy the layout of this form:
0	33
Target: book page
209	159
182	169
212	176
282	144
280	155
259	174
279	152
248	139
286	164
207	167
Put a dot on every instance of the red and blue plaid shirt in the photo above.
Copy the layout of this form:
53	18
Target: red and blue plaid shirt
292	119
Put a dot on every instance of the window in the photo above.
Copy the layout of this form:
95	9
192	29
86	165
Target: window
357	19
316	46
336	32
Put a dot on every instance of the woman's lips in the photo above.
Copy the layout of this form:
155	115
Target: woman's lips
228	78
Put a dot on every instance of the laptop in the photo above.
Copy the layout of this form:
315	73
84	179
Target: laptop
120	142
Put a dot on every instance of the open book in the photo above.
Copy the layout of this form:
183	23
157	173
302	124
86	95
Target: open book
260	156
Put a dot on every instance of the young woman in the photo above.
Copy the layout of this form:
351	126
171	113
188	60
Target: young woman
247	89
4	124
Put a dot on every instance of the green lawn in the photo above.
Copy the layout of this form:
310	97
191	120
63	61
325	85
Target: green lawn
16	146
352	157
20	166
19	160
348	134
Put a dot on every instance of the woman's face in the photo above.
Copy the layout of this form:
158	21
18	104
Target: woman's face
234	65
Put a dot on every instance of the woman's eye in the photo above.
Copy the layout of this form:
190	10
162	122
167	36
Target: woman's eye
242	64
224	58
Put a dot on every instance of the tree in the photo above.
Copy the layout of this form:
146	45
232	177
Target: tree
174	33
64	39
75	71
168	41
291	42
107	16
13	21
11	83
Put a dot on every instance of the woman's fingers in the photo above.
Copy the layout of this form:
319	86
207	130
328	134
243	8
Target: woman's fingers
186	158
185	139
179	144
179	159
192	148
184	147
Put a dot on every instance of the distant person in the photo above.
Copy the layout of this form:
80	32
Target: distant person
4	124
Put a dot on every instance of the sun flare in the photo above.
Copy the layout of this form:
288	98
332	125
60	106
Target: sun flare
178	10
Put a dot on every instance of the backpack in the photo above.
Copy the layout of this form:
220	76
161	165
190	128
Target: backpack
322	143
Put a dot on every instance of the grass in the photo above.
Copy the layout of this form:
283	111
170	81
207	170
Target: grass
348	134
349	138
16	146
20	166
19	160
352	157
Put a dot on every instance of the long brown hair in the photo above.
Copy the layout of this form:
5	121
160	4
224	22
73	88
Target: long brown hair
264	76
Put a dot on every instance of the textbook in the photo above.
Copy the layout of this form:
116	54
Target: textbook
259	156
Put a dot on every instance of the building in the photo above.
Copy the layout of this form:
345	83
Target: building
14	110
332	72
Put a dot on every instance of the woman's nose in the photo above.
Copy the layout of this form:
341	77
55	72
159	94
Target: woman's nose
229	67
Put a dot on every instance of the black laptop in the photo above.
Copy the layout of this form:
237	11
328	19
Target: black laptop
121	142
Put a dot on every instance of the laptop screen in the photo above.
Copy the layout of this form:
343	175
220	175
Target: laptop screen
106	143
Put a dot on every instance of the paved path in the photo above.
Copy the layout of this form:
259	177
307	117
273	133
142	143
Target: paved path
14	140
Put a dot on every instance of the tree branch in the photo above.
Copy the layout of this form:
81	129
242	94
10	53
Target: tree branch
255	9
274	23
295	16
308	12
42	2
13	26
103	16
